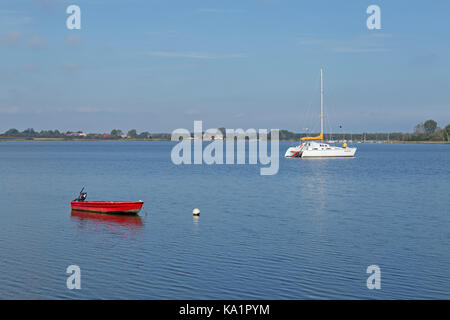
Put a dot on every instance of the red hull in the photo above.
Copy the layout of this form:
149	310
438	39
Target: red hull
122	207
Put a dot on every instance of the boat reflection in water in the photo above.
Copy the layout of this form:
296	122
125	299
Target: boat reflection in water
130	222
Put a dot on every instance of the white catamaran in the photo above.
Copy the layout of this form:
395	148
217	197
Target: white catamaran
314	147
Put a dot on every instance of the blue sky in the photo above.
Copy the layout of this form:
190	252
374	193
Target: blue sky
160	65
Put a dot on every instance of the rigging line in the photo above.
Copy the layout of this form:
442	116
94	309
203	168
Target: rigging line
314	119
331	107
309	122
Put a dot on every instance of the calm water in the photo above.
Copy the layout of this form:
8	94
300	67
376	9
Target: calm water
308	232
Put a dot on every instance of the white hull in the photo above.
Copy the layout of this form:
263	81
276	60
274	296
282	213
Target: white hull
333	153
319	150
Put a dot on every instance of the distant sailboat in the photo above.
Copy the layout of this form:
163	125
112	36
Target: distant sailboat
314	147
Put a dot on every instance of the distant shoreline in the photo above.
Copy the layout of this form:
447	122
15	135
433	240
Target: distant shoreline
84	140
159	140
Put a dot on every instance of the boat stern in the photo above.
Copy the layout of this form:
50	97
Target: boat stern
293	152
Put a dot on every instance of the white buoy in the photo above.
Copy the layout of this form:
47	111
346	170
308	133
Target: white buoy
196	212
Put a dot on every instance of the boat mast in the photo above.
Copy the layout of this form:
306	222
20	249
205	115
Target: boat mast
321	101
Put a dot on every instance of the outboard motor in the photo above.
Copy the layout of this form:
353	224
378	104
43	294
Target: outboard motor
82	196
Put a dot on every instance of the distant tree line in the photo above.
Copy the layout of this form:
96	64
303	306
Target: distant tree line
425	131
115	134
429	131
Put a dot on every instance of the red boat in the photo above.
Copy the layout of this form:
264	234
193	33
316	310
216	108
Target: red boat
127	207
117	207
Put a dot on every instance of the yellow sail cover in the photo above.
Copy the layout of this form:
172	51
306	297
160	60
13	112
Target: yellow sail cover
319	137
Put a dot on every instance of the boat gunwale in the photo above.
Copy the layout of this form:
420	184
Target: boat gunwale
107	202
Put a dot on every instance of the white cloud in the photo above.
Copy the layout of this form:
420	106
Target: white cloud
86	110
10	110
68	66
192	112
10	38
195	55
310	42
13	18
215	10
382	35
37	42
31	68
360	50
74	40
364	43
